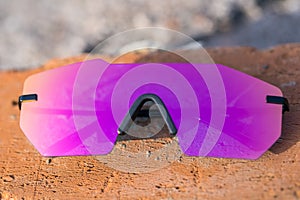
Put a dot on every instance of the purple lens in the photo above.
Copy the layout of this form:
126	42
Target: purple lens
217	111
48	122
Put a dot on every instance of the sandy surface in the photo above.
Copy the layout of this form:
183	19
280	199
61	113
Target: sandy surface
25	174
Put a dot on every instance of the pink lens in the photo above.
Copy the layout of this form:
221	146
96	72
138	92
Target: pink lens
217	111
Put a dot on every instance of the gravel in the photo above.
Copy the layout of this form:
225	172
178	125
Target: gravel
34	31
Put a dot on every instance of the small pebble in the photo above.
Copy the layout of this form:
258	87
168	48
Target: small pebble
14	103
8	178
265	67
89	165
48	161
148	154
13	117
289	84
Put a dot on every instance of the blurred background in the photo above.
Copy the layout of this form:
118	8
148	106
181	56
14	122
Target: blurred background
34	31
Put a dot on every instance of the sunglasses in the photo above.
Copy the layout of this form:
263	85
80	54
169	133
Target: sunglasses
213	110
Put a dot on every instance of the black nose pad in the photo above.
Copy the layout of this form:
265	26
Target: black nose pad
141	109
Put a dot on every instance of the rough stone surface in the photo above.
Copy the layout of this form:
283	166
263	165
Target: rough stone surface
35	31
25	174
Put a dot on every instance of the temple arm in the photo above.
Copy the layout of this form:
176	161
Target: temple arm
279	100
27	97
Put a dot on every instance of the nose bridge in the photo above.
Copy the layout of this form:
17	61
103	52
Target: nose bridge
136	107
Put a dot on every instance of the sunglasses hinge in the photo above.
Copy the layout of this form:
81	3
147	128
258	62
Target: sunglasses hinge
27	97
279	100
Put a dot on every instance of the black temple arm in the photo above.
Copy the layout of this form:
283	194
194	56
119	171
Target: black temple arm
279	100
27	97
